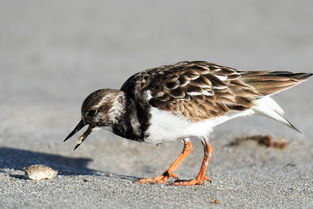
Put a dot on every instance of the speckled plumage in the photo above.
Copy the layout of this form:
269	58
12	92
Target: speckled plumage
200	90
184	99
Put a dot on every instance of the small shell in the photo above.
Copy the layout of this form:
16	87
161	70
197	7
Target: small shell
40	172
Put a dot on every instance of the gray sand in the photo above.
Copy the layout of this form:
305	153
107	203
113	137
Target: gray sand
53	53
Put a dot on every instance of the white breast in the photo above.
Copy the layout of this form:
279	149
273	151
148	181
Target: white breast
166	126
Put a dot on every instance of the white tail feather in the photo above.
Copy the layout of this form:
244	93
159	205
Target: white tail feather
268	107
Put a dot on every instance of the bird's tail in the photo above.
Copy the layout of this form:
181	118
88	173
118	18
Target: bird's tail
272	82
268	107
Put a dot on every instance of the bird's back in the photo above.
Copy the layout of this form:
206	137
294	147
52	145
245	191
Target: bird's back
200	90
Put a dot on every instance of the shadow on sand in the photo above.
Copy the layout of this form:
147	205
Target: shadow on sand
18	159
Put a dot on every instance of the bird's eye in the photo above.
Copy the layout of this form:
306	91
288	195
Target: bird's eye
92	112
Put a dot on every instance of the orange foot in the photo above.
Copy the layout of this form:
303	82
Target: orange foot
196	181
159	179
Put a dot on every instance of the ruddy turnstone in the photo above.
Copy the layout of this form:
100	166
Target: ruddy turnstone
184	100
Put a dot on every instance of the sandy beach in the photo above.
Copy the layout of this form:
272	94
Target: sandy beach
54	53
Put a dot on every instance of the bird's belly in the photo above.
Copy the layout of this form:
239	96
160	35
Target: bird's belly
166	126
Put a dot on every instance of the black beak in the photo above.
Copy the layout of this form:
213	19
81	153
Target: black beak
79	126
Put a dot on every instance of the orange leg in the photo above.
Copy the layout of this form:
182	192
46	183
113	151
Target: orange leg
201	175
170	171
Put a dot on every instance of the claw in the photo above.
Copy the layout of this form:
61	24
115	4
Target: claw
159	179
191	182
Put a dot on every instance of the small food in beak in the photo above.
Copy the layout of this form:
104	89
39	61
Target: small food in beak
79	126
83	137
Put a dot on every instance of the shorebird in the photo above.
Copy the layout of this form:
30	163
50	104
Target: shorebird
184	100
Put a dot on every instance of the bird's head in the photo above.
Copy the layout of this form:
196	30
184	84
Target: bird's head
102	108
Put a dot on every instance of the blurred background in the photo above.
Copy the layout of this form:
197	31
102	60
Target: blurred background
54	53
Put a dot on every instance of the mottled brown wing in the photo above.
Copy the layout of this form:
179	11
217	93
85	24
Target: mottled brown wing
197	90
200	90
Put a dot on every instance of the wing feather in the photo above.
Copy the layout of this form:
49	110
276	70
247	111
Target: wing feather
196	90
200	90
